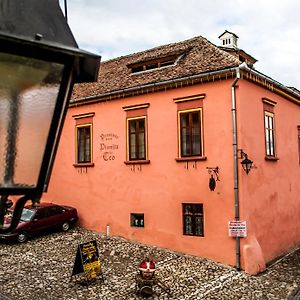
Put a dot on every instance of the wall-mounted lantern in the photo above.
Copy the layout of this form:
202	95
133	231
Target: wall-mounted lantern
246	162
39	63
214	177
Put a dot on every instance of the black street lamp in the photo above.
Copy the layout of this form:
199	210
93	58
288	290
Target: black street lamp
246	162
39	64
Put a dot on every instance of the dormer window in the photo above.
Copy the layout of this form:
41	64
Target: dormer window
226	42
153	64
137	69
228	39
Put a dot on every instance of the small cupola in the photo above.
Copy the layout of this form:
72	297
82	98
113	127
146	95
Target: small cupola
228	39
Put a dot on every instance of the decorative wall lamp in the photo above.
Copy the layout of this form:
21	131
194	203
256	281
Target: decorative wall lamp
246	162
39	63
214	176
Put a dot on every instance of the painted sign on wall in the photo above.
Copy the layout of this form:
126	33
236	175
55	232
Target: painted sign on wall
108	146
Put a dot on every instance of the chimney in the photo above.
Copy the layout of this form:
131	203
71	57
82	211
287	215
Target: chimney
228	39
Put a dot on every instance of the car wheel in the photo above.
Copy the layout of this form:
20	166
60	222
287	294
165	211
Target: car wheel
22	237
65	226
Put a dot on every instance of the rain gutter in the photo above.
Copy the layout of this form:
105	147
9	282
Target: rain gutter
235	165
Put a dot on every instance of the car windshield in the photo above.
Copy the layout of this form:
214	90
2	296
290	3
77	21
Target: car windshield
27	214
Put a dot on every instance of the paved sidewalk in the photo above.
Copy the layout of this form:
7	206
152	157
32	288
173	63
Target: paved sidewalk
41	270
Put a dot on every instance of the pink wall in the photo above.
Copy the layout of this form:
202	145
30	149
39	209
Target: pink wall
108	192
270	198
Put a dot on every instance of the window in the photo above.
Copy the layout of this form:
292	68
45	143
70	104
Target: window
154	63
137	220
269	134
190	133
83	140
84	144
136	138
269	124
299	142
192	219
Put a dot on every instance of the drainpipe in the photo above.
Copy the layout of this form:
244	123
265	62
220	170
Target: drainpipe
235	159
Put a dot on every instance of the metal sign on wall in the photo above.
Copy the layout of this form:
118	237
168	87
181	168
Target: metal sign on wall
237	228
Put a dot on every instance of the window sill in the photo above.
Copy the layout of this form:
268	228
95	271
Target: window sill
193	235
271	158
190	158
137	162
83	165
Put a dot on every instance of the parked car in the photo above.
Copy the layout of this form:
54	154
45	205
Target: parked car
41	219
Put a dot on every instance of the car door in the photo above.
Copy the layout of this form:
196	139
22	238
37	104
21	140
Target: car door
55	216
39	222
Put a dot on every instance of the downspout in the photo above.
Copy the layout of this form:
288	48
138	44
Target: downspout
243	66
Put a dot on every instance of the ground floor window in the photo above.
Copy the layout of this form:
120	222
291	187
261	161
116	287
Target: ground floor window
193	219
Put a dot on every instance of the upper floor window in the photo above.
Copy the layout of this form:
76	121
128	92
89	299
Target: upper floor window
137	138
269	122
190	128
136	116
83	143
193	219
299	142
190	132
269	133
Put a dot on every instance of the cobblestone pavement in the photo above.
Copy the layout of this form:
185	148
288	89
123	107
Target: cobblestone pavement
41	269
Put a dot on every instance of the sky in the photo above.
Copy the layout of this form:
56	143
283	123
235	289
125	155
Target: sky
268	30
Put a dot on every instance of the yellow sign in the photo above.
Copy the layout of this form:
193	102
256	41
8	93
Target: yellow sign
87	260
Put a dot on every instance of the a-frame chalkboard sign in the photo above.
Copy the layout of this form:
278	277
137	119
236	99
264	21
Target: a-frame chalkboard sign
87	262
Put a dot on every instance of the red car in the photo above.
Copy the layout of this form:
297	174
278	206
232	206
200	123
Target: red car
40	219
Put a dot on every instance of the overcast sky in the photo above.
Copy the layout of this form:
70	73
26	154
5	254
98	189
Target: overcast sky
269	30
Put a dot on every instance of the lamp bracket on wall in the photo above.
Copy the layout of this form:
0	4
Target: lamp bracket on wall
214	176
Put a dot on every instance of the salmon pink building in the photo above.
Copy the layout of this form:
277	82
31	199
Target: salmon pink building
155	152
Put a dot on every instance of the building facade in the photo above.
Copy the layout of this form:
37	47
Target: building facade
153	152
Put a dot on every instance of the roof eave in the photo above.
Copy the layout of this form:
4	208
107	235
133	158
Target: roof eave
153	87
221	74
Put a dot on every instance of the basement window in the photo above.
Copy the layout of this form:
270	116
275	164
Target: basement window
137	220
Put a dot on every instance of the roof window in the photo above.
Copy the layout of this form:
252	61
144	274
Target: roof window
153	64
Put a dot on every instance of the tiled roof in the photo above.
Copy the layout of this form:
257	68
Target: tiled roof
196	56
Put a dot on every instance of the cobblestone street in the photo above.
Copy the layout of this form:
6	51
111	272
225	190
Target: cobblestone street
42	268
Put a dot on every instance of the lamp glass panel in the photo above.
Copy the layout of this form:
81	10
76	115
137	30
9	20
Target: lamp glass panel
28	94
